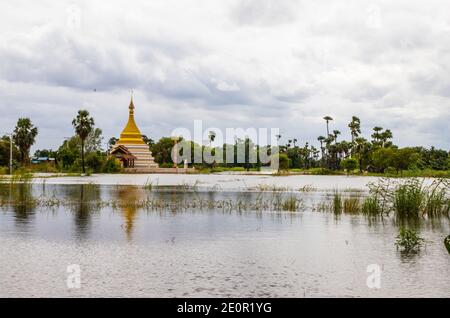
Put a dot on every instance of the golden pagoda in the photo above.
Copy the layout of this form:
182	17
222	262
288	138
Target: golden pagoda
131	149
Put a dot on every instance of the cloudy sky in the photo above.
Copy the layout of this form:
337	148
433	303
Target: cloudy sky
248	63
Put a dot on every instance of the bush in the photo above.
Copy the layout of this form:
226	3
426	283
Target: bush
349	164
409	240
95	161
283	161
4	170
112	165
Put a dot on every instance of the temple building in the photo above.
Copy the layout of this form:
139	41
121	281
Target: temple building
131	149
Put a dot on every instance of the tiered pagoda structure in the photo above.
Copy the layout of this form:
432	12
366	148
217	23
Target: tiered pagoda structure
131	149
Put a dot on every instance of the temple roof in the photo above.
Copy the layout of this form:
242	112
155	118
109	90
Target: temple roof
123	152
131	133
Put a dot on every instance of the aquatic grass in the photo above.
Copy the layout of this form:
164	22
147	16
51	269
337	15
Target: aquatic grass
352	205
371	207
307	188
337	202
408	240
262	187
148	185
437	201
323	206
409	200
290	204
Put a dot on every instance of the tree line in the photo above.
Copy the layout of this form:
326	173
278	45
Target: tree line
84	152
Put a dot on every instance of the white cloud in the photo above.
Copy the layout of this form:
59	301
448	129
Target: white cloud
261	63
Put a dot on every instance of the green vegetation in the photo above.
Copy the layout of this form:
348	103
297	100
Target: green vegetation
377	155
371	207
447	243
337	202
24	137
83	125
409	199
409	241
352	205
349	164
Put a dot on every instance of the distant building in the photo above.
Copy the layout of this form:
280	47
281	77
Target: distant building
43	160
131	149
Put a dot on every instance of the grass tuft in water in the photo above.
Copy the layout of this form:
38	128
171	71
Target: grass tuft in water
408	240
409	199
337	202
352	205
290	204
371	207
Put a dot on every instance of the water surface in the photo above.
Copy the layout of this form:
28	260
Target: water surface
130	250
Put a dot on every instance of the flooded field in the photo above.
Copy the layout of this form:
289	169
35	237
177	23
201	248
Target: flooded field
206	236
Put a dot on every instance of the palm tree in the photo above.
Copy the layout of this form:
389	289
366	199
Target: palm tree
328	119
83	125
211	137
355	128
376	136
385	136
361	146
335	134
24	137
321	139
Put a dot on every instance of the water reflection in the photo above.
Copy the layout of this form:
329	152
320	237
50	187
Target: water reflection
22	203
127	198
84	198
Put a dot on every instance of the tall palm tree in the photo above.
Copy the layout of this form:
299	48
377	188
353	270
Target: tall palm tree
321	139
376	136
355	128
24	137
328	119
385	136
335	134
83	125
211	137
361	146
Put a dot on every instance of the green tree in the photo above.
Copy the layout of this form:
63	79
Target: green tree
83	125
349	164
5	150
382	158
162	151
328	119
24	137
283	161
111	142
362	150
94	141
95	160
405	158
355	128
376	136
336	133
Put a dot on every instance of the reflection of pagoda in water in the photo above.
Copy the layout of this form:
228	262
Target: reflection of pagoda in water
128	198
131	149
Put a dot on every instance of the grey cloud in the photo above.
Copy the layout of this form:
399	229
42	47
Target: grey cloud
265	12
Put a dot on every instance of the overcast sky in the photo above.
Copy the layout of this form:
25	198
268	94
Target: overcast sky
248	63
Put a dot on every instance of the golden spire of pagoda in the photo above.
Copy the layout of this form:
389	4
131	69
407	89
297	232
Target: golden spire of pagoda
131	133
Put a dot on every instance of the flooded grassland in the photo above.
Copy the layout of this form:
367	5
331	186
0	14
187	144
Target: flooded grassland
216	235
